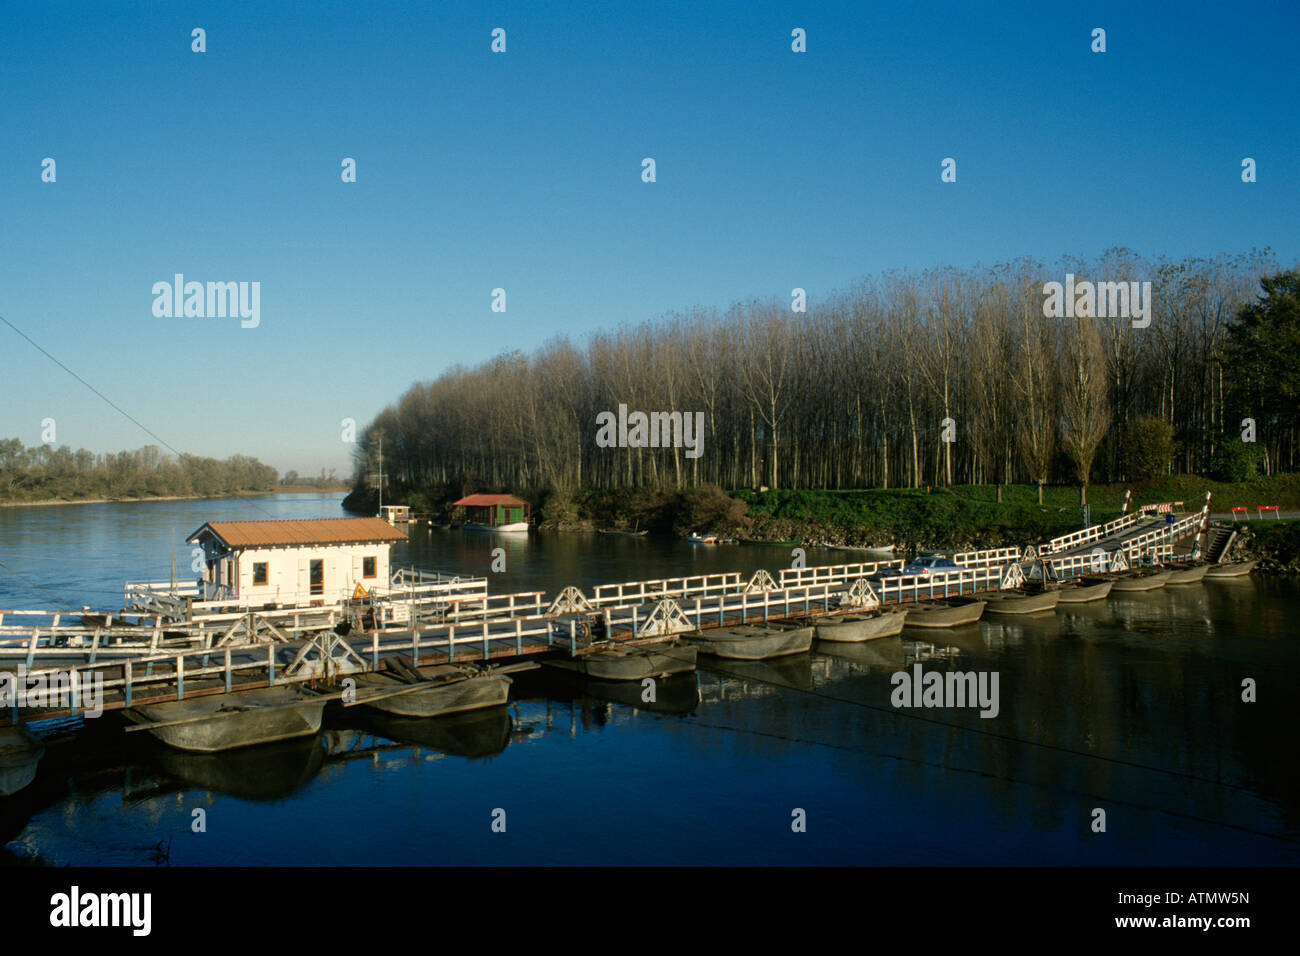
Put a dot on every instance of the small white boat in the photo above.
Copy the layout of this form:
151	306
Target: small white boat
1144	580
630	663
706	538
514	526
442	689
754	642
1235	570
951	612
1187	574
20	752
1015	601
1084	590
225	721
862	627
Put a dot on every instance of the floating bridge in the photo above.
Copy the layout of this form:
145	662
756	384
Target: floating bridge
169	646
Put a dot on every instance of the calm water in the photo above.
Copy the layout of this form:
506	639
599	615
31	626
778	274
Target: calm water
711	773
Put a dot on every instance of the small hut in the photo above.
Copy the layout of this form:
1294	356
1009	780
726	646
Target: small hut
293	563
495	512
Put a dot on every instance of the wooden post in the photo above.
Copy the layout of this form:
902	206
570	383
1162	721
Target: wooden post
180	676
126	674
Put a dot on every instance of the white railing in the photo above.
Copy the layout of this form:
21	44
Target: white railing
917	587
1097	561
1166	533
833	573
743	607
700	584
991	556
1087	535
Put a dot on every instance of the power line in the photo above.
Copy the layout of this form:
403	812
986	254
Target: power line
123	412
113	404
37	587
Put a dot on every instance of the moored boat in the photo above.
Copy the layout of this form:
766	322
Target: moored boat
1015	601
705	538
226	721
443	689
949	613
1191	574
20	752
631	663
754	642
1144	580
1085	590
862	627
1236	570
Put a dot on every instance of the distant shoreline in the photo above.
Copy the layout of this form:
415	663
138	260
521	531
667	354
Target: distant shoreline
121	501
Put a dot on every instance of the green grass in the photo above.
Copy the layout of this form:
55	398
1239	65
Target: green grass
1282	490
970	515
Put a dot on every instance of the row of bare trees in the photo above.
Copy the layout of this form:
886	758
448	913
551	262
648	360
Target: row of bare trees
939	377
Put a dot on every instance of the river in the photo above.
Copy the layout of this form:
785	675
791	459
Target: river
1132	706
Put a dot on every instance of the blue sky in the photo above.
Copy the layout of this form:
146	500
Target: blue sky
523	171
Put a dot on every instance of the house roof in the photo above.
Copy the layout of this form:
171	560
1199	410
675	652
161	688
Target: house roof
484	501
244	534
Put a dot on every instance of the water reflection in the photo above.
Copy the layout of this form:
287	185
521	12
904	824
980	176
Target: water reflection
793	671
1137	697
473	735
269	772
678	694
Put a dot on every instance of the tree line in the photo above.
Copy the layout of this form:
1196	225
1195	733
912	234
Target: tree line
43	473
940	377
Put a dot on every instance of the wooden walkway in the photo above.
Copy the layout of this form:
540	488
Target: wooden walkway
150	658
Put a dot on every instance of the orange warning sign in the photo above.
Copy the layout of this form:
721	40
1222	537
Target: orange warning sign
360	592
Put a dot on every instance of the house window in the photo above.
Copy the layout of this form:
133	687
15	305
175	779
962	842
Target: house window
316	575
259	572
368	567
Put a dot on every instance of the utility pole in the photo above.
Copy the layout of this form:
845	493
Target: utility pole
379	475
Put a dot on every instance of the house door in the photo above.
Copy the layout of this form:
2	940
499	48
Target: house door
317	576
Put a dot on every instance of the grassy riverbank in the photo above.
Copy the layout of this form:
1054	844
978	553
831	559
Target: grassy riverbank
961	517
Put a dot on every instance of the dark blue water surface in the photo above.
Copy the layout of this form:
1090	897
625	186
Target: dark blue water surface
1137	699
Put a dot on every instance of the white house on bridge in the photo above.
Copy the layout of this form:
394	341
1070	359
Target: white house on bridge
317	561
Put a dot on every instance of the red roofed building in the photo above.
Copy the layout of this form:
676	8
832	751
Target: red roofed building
296	562
495	512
